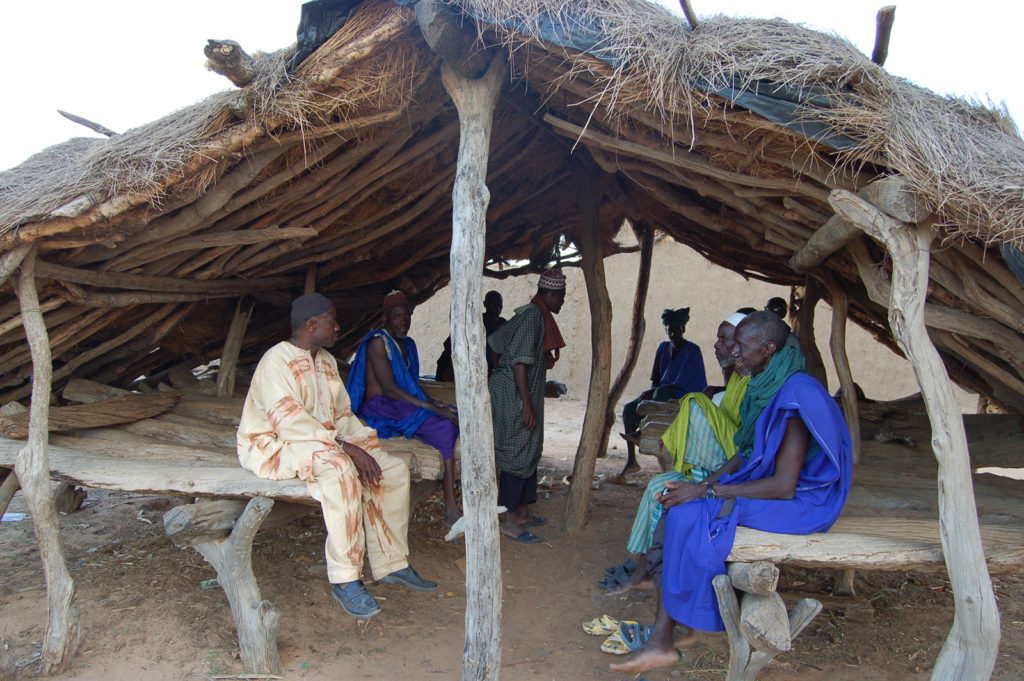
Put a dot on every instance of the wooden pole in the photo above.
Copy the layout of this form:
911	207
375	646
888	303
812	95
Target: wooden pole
970	649
837	344
883	30
851	410
691	16
645	235
232	348
805	330
10	261
595	435
33	470
475	100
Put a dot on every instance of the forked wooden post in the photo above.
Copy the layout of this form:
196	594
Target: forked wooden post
33	470
970	649
757	627
256	620
475	100
595	435
645	235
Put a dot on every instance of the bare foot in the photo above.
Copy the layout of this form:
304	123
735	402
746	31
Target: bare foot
647	658
640	580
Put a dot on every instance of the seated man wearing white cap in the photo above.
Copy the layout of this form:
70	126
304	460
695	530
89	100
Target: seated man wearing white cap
297	422
700	440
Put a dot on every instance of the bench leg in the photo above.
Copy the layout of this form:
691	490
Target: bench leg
256	620
744	660
844	583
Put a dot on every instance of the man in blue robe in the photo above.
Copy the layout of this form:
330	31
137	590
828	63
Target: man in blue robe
678	369
384	385
792	476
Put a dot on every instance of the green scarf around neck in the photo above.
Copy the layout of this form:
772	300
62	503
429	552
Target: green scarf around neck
762	388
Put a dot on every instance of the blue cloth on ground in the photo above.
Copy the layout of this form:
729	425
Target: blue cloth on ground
406	378
697	542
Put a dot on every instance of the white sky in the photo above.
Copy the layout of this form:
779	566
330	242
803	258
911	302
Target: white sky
122	63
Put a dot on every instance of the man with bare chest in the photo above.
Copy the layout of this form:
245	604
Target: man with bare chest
385	389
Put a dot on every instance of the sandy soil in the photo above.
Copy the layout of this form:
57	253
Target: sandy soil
144	614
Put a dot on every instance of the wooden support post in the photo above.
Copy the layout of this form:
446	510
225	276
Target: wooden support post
805	331
970	649
837	344
256	620
595	435
33	470
232	348
645	235
843	585
475	100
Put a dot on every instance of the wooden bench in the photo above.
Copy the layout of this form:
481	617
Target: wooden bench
757	624
879	530
190	452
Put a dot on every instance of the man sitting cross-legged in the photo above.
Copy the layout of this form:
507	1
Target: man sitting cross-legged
700	440
297	422
792	476
384	385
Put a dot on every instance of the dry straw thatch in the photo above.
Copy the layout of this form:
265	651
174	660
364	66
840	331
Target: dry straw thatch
967	160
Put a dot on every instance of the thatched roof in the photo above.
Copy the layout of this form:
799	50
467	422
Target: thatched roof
348	163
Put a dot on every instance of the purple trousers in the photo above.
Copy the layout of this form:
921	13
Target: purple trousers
436	431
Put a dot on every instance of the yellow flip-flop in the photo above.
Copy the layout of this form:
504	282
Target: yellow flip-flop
601	626
615	645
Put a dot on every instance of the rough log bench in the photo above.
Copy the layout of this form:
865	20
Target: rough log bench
190	452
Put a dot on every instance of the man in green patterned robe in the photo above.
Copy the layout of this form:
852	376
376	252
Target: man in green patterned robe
527	346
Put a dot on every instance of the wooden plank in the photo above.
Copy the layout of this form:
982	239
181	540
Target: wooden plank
857	544
124	409
157	477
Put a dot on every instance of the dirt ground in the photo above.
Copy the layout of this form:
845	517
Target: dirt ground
145	615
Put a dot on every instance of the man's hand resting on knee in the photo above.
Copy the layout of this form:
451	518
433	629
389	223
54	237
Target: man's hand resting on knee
366	465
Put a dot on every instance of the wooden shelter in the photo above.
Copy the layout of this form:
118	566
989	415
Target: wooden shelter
775	151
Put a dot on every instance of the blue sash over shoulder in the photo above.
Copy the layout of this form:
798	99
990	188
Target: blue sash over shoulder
406	378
